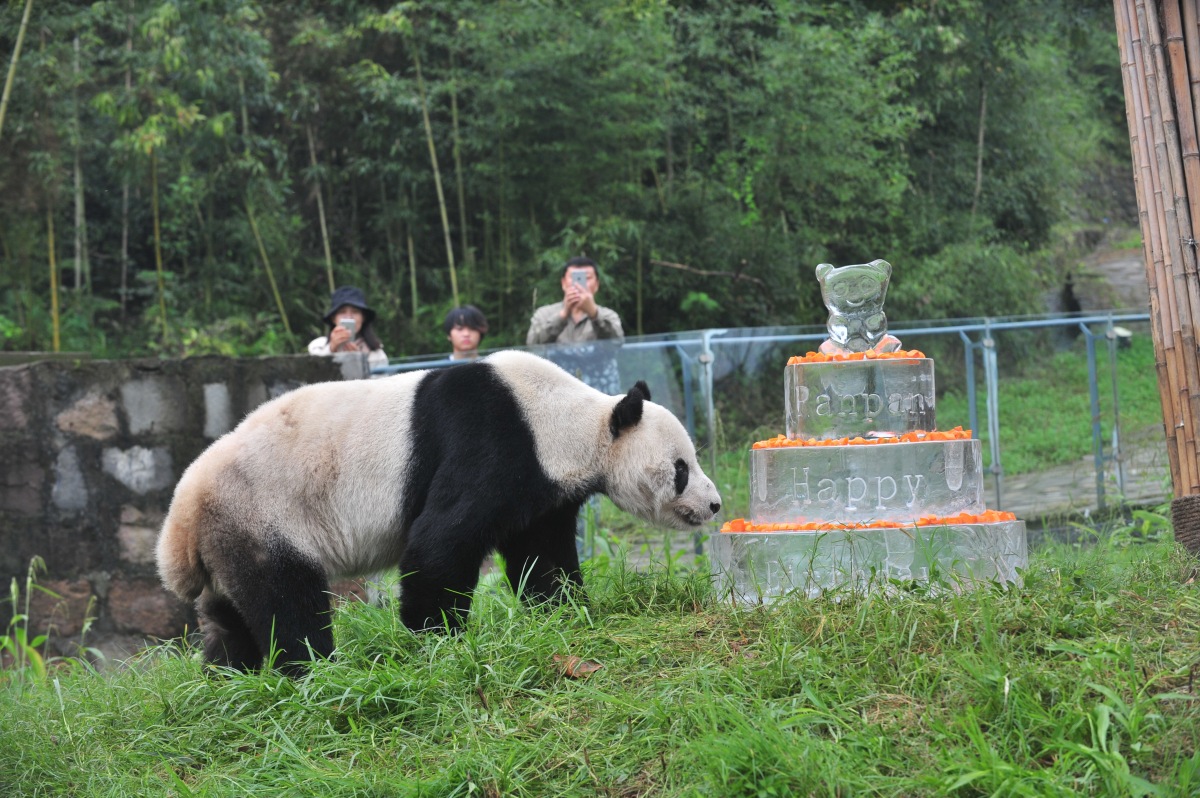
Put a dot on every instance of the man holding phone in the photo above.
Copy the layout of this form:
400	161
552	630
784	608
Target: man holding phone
577	319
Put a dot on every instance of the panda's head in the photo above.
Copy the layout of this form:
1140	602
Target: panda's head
651	469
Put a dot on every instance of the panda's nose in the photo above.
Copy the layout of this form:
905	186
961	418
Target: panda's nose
715	507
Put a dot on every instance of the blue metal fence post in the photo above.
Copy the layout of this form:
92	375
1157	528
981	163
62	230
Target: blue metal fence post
1094	395
991	376
969	353
706	363
689	394
1117	456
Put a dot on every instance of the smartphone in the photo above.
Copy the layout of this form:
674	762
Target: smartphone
349	325
580	279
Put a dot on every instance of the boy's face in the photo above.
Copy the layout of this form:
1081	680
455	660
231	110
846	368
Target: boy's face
464	339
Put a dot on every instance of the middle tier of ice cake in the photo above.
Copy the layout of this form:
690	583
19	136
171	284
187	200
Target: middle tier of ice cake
855	398
866	482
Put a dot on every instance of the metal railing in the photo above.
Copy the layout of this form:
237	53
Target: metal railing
690	363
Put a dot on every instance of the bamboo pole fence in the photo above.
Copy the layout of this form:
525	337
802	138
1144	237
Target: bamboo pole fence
1159	43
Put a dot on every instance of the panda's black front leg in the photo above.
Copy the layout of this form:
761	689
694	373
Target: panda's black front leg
438	577
541	561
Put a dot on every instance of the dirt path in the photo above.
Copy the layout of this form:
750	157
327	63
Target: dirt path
1112	278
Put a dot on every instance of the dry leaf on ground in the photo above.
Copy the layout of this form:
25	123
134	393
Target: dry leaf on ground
577	667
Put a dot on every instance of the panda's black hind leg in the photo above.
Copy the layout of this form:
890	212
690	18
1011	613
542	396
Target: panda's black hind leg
228	641
542	562
281	598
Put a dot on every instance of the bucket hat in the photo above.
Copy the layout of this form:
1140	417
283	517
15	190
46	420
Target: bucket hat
349	295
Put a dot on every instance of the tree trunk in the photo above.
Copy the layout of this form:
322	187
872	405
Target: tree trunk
437	178
12	67
467	253
125	183
312	157
388	233
979	145
54	323
639	285
82	272
245	113
262	253
158	260
412	272
209	260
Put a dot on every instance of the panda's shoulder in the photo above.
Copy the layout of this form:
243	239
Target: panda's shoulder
514	361
523	367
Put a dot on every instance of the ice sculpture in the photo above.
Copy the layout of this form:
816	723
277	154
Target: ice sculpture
854	295
863	490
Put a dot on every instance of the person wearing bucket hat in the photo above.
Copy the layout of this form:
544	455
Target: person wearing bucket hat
349	320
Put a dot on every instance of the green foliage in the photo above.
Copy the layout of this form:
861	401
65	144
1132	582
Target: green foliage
964	280
22	657
745	141
1076	683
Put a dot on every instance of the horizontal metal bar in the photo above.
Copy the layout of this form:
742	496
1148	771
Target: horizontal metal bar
715	337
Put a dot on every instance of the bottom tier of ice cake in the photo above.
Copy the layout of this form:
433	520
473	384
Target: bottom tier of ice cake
755	567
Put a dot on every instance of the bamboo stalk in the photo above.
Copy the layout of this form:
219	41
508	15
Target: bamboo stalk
262	252
54	319
1191	38
1190	35
12	66
1137	114
312	158
1151	145
1188	209
1186	293
437	177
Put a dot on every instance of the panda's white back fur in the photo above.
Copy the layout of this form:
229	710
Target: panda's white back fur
313	462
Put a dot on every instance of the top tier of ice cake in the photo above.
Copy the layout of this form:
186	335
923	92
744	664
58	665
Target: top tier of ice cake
859	398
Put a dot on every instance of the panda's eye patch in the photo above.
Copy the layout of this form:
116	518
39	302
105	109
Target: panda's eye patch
681	476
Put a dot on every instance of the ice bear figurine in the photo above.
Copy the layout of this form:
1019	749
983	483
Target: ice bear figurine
854	295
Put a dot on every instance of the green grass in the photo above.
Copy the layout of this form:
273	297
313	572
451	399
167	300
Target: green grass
1077	683
1046	416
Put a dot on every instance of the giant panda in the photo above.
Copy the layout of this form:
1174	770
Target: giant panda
430	471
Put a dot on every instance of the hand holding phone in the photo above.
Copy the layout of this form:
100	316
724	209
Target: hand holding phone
580	279
342	334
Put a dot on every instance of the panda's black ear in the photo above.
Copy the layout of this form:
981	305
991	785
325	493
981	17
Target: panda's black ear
628	411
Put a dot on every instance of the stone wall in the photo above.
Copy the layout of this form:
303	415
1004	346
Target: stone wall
89	455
